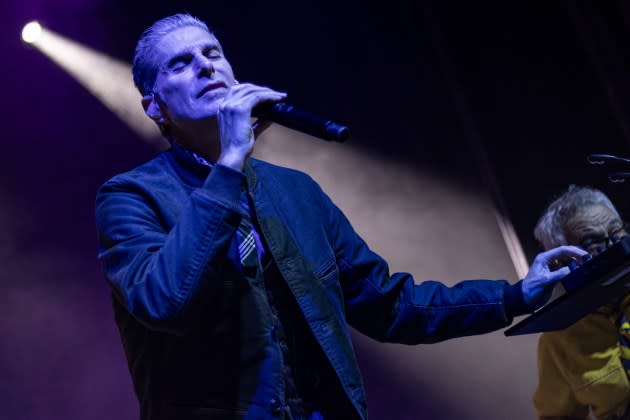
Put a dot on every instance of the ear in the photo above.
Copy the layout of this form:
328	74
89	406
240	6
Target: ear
152	108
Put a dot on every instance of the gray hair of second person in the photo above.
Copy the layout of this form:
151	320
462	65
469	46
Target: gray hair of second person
144	68
550	231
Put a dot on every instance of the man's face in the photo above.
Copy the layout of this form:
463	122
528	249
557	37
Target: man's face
193	77
594	229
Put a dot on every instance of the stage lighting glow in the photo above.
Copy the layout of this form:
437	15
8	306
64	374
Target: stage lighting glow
105	77
31	32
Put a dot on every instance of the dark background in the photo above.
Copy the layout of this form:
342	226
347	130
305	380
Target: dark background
510	95
518	93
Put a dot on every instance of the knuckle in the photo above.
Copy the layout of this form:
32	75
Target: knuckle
227	107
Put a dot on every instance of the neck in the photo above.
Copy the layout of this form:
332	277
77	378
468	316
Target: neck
203	139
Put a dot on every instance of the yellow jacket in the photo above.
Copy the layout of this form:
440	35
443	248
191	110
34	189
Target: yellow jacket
580	372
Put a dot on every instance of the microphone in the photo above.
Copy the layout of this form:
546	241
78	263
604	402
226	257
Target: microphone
303	121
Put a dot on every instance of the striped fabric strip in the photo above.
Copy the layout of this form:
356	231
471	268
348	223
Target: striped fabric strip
624	341
246	239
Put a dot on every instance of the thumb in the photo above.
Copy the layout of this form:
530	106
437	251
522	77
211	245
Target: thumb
556	275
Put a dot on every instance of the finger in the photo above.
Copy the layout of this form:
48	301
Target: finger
563	252
248	89
246	102
251	86
245	96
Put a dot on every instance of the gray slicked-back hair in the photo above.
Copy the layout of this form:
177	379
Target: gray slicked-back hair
549	230
143	67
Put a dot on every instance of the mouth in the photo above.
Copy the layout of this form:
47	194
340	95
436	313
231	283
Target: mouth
211	87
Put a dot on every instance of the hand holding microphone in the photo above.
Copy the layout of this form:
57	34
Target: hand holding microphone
300	120
245	100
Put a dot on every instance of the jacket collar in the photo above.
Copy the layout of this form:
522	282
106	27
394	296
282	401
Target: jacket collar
187	164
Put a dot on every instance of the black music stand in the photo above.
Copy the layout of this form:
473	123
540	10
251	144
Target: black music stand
601	280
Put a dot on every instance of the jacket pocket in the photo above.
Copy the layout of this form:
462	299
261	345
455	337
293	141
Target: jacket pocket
328	273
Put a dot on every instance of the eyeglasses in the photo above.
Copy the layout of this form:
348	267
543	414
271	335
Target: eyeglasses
597	245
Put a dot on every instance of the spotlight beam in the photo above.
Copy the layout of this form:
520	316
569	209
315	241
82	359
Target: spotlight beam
105	77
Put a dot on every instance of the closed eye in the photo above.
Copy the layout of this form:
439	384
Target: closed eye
179	62
212	52
589	242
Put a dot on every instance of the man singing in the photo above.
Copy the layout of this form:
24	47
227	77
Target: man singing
234	280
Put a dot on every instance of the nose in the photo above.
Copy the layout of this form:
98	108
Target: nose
204	66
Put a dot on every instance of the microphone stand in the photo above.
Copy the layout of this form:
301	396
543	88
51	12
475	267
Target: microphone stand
605	159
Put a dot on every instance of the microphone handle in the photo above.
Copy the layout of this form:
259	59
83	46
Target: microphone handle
303	121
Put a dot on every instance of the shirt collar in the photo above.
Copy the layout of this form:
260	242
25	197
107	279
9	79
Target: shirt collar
189	155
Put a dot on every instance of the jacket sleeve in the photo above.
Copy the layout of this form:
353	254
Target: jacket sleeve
155	272
393	308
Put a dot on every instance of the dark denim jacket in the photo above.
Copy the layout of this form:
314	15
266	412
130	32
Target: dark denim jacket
197	334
